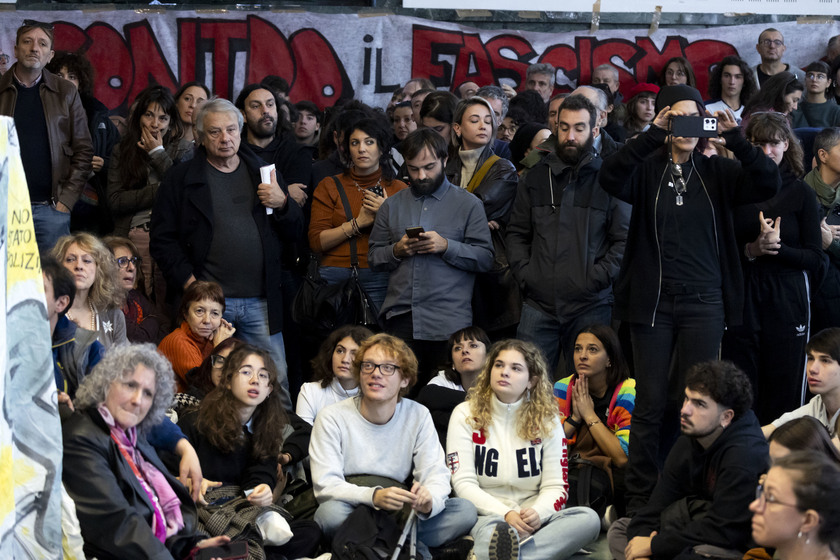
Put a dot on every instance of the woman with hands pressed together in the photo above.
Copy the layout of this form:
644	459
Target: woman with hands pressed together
202	328
507	453
783	258
596	403
366	183
681	276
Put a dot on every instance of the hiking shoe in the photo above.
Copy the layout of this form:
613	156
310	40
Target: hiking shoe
504	544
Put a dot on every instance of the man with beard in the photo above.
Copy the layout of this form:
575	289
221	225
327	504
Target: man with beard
55	144
259	107
432	238
565	238
699	508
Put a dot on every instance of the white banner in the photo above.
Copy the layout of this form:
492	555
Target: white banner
328	57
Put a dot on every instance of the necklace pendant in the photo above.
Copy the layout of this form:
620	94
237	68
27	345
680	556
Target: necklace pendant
679	200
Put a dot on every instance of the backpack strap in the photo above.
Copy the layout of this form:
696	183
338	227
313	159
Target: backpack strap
348	212
479	175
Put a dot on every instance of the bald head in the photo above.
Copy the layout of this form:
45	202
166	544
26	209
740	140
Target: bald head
597	98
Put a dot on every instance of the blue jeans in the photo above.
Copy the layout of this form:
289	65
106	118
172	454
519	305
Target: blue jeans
456	519
687	329
551	335
374	283
563	534
50	225
250	317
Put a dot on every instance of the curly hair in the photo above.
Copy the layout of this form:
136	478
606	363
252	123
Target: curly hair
767	127
724	383
322	363
538	415
375	128
106	292
397	349
76	63
218	414
117	365
816	485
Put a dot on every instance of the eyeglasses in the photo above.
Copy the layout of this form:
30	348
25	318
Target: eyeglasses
386	369
816	76
763	499
122	262
217	361
262	375
36	23
771	42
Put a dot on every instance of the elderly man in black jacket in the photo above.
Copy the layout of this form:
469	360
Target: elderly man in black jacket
216	220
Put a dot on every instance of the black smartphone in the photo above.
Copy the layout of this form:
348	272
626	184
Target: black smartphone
414	232
237	550
694	127
377	190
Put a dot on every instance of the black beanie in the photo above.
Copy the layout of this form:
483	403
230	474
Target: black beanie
669	95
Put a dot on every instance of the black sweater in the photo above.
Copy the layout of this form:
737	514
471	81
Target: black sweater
725	474
634	173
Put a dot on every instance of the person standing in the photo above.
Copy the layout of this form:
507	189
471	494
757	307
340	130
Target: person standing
52	128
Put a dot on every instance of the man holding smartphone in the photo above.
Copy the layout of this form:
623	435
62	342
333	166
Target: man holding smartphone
432	238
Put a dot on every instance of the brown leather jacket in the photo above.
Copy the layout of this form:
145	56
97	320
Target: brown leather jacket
67	128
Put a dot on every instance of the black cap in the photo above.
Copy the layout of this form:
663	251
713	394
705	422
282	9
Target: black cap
669	95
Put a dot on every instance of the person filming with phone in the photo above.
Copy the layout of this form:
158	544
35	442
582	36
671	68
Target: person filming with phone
432	239
681	277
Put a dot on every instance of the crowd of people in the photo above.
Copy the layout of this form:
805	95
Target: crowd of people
585	320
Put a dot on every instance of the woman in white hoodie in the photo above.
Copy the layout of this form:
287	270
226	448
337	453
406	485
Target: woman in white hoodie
507	453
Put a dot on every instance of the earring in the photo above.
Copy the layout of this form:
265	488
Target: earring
799	535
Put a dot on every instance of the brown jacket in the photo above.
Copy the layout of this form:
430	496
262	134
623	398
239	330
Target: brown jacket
70	143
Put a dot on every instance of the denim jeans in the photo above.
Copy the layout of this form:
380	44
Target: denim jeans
686	330
50	225
456	519
374	283
551	335
250	317
559	537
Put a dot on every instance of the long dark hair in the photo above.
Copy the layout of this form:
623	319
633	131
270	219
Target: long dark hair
716	77
134	161
322	362
218	414
691	80
617	370
201	377
772	93
805	434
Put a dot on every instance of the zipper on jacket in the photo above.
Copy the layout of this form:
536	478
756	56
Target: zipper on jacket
658	248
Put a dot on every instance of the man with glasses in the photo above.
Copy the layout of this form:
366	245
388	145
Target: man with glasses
700	504
52	127
363	448
771	48
215	219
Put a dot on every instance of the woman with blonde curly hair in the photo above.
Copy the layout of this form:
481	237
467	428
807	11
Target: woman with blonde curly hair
98	301
507	453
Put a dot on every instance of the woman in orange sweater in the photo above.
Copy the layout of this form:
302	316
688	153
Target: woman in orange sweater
367	182
202	328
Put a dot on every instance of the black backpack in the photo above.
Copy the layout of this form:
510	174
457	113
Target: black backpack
367	534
